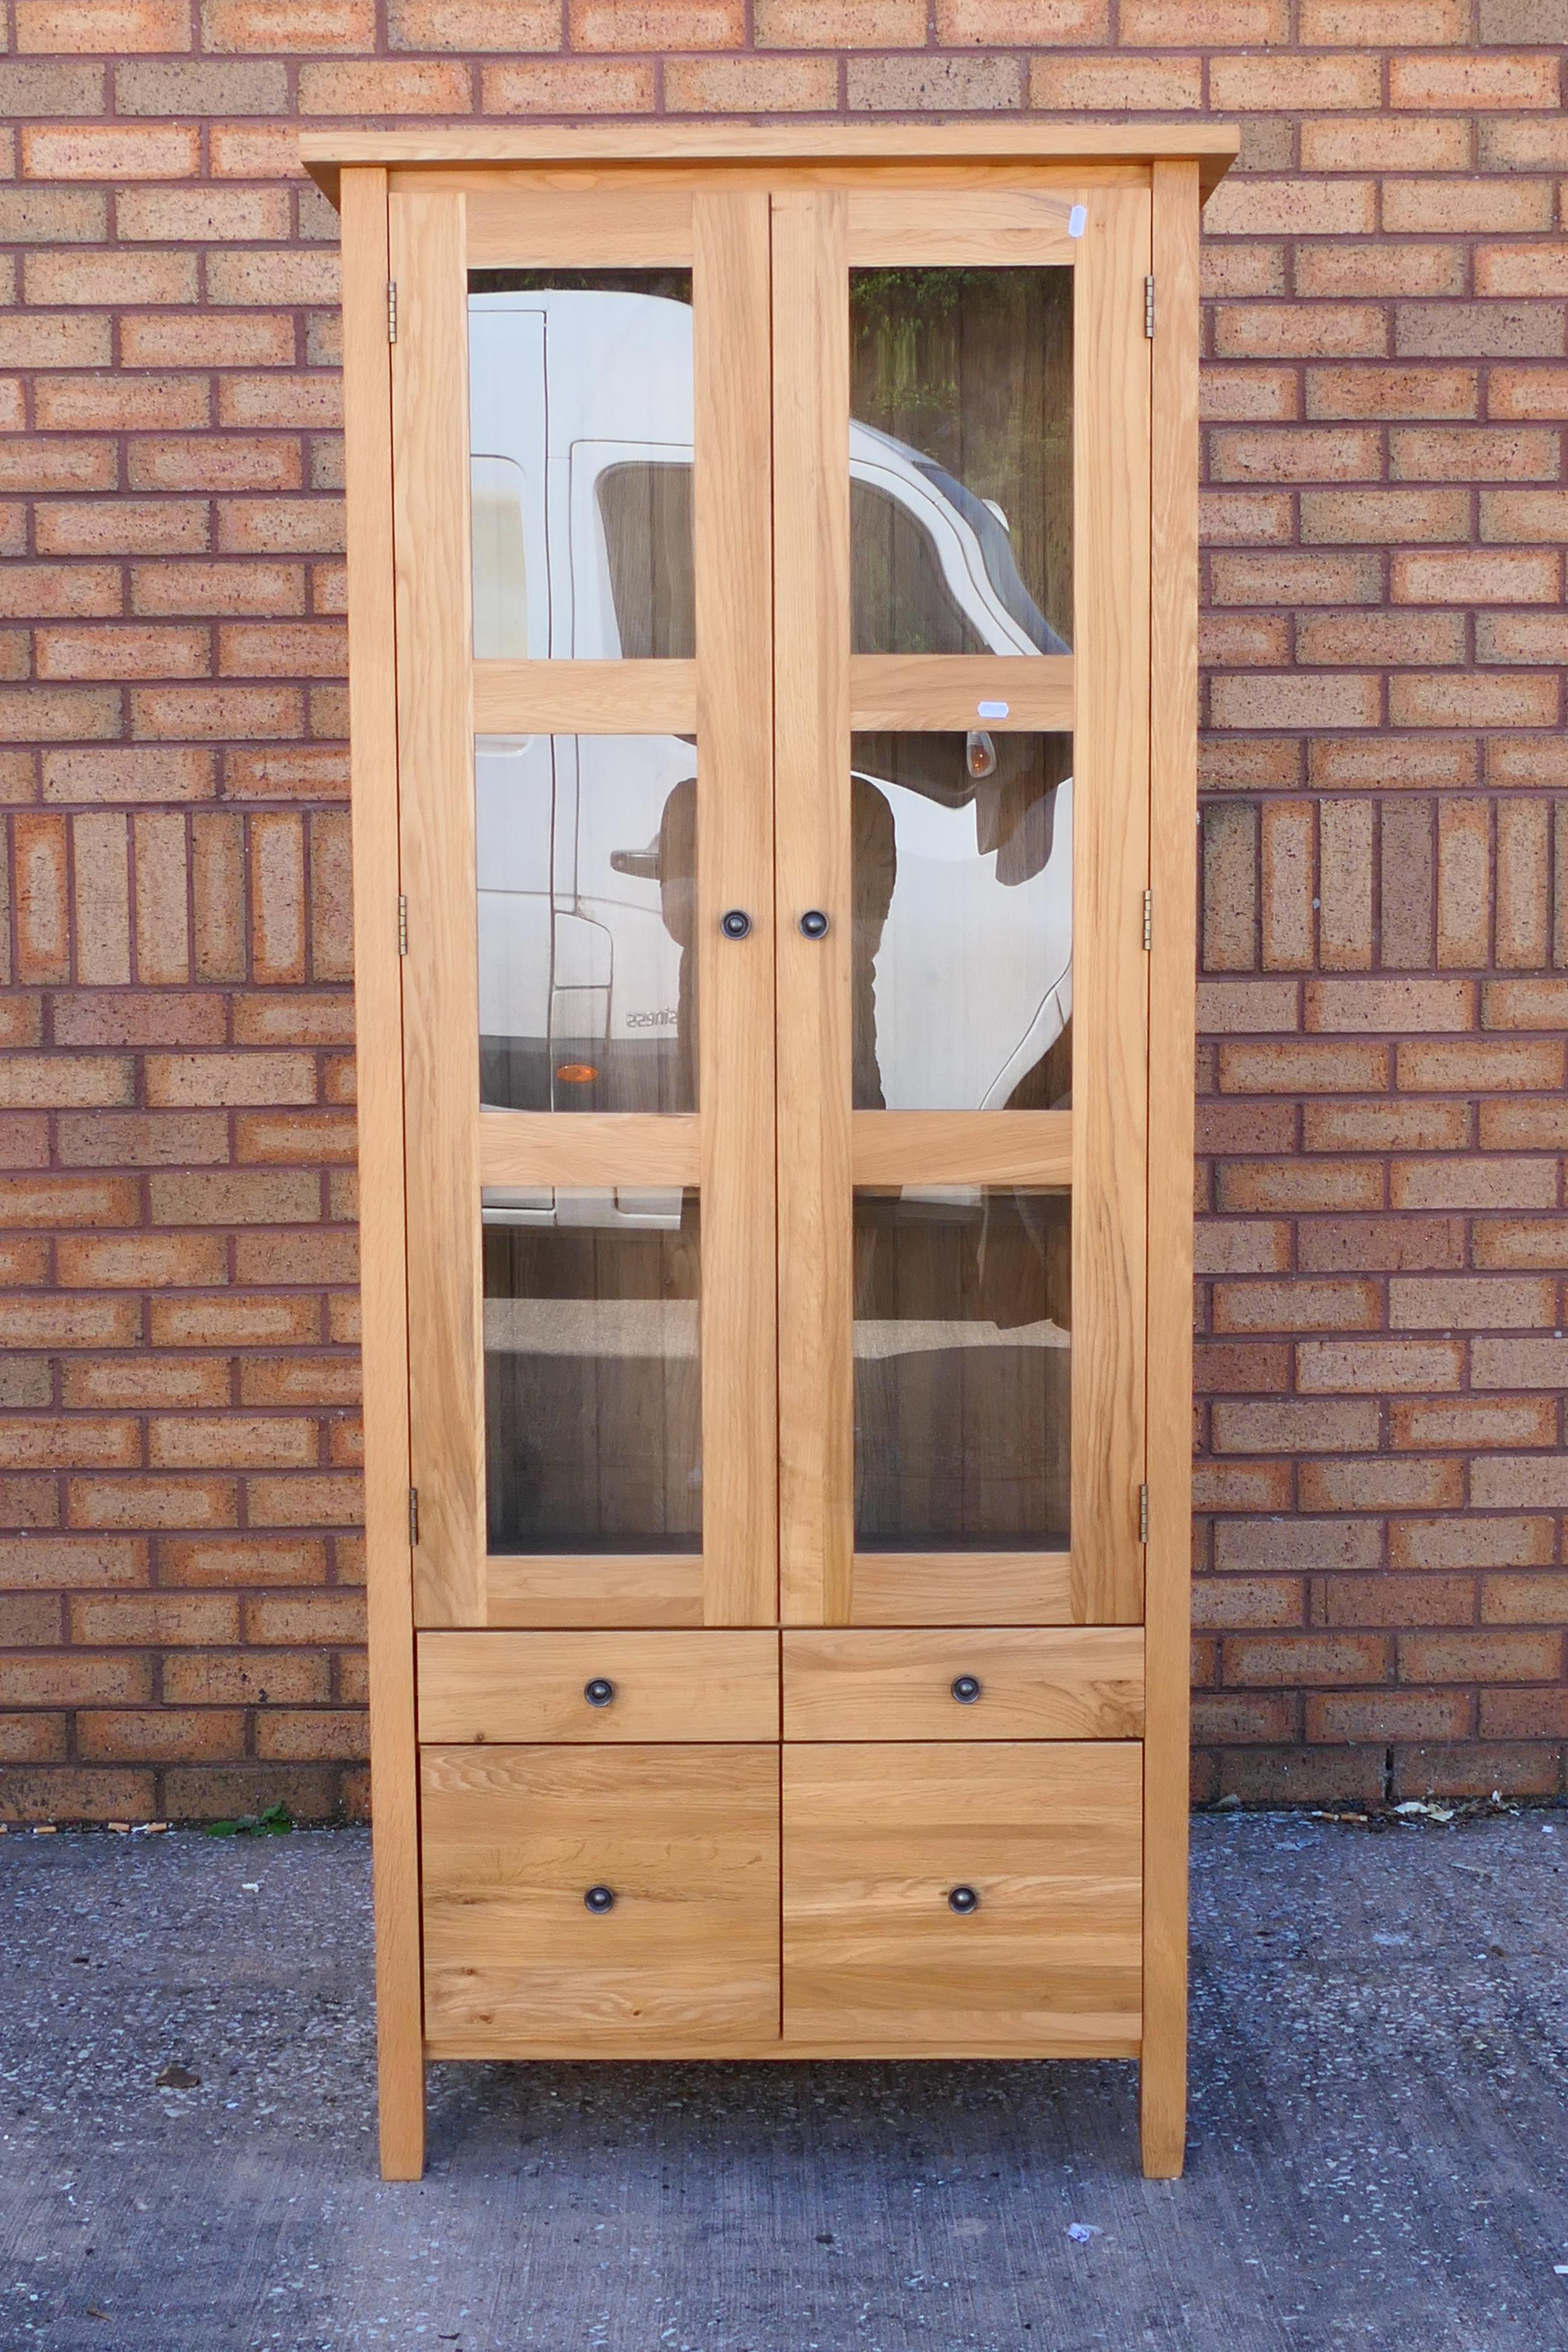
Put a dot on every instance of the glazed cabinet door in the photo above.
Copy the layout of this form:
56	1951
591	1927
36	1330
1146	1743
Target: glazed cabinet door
581	517
961	405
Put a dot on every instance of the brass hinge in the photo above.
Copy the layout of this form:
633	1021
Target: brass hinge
1143	1515
414	1519
402	924
391	310
1149	308
1148	921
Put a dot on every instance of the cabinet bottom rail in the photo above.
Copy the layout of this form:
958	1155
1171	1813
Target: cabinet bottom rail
735	2049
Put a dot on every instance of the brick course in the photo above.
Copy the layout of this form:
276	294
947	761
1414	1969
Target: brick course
1384	920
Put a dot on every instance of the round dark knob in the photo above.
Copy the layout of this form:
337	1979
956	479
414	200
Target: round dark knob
599	1692
814	923
966	1688
735	924
963	1900
600	1898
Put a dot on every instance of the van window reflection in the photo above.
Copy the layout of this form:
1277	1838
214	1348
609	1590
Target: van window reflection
646	514
587	901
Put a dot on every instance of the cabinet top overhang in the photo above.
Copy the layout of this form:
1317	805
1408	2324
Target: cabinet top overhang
992	139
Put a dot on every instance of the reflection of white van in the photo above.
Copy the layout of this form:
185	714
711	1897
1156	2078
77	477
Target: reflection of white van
581	434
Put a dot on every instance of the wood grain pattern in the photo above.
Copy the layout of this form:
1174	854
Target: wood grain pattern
748	2050
569	227
688	1839
1080	1682
1173	805
1047	1834
430	438
732	523
955	175
521	1689
1111	872
589	1148
962	1588
925	690
594	1589
888	228
996	142
585	697
940	1147
811	500
383	1303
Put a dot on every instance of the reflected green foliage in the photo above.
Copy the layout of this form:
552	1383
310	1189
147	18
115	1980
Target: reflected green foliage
974	369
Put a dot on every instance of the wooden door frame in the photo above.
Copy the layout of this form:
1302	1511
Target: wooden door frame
822	691
724	698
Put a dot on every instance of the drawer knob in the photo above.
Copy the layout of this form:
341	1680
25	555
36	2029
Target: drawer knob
814	923
599	1692
963	1900
735	924
600	1898
966	1688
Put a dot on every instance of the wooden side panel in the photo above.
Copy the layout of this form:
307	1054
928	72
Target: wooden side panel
1047	1836
525	1688
962	1588
659	1587
430	428
810	506
733	544
1174	797
1110	848
1082	1681
378	1024
686	1840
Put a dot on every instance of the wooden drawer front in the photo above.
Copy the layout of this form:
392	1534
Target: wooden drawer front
1049	1837
531	1686
1072	1682
686	1840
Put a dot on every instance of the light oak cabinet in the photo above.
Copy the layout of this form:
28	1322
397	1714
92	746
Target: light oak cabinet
772	619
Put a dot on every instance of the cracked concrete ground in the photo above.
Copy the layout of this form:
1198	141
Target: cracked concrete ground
1380	2053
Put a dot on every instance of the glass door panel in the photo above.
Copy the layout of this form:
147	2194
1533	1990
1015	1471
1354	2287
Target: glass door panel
586	871
958	609
962	1368
961	855
592	1386
592	1349
961	460
581	427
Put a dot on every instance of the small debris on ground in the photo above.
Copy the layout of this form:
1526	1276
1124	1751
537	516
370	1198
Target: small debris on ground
175	2077
276	1821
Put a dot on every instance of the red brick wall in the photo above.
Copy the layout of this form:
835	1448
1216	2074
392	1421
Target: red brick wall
1386	853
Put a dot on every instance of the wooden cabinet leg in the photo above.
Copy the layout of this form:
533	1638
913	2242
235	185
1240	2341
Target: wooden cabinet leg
1162	2106
401	2085
399	1976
